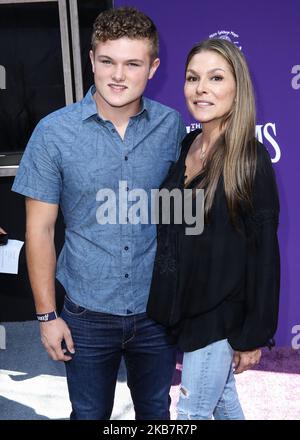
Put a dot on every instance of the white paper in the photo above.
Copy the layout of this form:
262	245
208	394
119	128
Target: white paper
9	256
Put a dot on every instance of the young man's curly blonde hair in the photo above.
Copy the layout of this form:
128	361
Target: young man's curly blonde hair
125	22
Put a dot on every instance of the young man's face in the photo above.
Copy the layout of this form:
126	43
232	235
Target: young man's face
122	69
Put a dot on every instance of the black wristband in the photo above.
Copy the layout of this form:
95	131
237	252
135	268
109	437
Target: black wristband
45	317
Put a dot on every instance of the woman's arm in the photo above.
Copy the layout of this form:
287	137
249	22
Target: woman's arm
263	262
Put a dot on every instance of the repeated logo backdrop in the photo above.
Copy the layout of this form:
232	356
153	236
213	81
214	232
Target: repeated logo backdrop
268	33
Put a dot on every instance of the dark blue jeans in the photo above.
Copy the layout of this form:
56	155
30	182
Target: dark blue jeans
100	342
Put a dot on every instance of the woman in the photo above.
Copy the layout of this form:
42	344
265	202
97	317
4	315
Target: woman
218	291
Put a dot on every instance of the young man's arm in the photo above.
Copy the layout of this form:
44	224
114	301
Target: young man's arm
41	262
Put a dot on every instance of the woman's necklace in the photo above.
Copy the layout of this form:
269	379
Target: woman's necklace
202	152
202	148
195	160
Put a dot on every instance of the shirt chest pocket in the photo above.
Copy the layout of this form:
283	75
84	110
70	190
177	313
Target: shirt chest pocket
152	166
89	171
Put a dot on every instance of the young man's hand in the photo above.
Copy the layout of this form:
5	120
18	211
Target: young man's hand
53	335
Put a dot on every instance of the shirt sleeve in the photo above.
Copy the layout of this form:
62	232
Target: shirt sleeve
263	262
38	175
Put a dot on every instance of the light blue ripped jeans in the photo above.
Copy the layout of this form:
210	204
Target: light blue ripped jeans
208	385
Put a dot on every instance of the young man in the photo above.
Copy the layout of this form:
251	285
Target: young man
113	135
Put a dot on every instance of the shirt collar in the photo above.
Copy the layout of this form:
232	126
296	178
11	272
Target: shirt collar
144	108
89	107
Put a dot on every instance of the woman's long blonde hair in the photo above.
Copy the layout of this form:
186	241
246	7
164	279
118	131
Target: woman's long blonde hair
234	155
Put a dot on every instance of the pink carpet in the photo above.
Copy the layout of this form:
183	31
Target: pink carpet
271	391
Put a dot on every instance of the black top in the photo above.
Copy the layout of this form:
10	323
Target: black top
223	283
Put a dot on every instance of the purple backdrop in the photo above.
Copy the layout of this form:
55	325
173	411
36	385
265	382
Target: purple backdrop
269	34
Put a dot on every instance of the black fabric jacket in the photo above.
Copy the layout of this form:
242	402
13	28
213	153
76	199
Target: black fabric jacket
223	283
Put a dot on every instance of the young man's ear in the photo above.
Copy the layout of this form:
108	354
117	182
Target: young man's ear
153	67
92	58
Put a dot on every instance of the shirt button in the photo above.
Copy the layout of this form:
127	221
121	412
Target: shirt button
113	130
126	248
127	189
126	157
126	275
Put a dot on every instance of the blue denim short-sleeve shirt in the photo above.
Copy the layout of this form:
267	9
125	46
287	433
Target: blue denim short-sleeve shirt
72	154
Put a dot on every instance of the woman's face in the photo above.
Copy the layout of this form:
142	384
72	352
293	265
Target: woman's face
209	87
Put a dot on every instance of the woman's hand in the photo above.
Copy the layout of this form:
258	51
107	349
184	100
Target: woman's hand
244	360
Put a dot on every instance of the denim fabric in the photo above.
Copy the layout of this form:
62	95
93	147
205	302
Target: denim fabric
208	385
100	342
72	154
